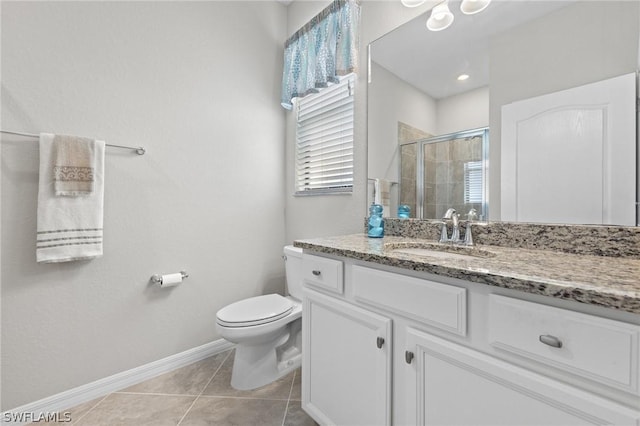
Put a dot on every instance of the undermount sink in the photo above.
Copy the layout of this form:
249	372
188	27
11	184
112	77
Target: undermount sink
438	250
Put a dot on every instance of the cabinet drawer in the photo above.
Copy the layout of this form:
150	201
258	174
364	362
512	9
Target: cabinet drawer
595	348
322	273
439	305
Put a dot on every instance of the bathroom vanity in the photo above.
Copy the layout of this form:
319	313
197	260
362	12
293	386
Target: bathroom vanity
403	330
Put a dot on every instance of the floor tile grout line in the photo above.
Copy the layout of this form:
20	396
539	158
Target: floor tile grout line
204	388
261	398
287	400
286	407
91	409
101	399
157	394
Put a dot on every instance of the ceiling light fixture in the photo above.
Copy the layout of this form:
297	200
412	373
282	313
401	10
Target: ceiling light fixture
412	3
463	77
471	7
441	17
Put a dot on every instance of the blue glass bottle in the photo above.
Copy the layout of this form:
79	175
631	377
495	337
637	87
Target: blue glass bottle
376	222
404	211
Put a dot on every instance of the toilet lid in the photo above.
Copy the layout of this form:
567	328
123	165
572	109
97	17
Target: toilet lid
254	311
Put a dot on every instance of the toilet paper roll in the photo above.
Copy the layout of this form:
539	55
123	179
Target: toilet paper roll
171	280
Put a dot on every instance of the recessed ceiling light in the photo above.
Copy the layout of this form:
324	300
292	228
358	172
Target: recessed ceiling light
463	77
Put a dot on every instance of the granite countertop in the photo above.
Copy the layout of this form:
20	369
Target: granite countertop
596	280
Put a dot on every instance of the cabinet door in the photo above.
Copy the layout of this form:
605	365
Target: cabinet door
346	363
448	384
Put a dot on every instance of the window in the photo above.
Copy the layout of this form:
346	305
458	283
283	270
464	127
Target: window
324	140
473	182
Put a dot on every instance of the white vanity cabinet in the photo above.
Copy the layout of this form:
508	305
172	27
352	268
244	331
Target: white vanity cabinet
416	349
346	370
450	384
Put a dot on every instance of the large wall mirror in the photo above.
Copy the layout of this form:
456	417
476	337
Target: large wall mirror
512	52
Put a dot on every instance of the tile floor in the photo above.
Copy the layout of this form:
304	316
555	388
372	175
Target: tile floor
198	394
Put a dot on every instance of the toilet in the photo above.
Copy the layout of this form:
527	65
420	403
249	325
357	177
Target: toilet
266	330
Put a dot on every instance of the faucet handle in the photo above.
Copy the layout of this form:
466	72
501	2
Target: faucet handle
444	237
468	236
472	215
449	214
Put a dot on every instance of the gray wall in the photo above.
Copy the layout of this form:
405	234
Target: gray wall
392	100
196	83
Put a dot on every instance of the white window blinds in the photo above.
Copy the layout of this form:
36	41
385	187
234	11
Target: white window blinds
473	181
324	140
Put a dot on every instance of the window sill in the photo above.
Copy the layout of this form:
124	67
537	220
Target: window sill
332	191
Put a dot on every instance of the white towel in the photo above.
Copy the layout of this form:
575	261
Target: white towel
69	228
382	189
73	165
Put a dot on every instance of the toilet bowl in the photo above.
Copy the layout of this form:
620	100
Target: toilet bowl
266	330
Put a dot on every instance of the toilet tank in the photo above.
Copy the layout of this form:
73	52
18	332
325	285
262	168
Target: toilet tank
293	267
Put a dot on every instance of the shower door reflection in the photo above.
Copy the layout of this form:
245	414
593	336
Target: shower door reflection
445	171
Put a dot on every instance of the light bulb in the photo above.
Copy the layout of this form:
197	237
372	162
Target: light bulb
470	7
412	3
441	17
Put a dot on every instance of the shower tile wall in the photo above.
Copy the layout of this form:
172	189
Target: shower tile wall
444	176
408	176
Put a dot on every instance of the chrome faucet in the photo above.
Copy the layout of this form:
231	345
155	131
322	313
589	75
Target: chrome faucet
454	217
455	234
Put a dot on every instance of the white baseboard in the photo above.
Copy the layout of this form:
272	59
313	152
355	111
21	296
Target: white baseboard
107	385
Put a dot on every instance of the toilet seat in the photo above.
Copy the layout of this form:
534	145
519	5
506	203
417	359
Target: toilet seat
254	311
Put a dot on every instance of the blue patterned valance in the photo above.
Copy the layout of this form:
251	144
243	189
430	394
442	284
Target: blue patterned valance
321	51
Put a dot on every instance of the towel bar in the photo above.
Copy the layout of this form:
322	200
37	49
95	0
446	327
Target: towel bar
139	150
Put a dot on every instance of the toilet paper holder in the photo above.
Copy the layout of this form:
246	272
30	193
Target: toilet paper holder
157	278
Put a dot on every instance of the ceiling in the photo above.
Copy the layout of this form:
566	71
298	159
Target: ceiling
431	61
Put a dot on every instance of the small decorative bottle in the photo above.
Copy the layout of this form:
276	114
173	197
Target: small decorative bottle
376	222
404	211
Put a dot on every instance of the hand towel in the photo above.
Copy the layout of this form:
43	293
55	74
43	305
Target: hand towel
69	228
73	165
382	189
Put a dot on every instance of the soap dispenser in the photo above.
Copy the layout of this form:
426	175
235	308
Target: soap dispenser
375	222
404	211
